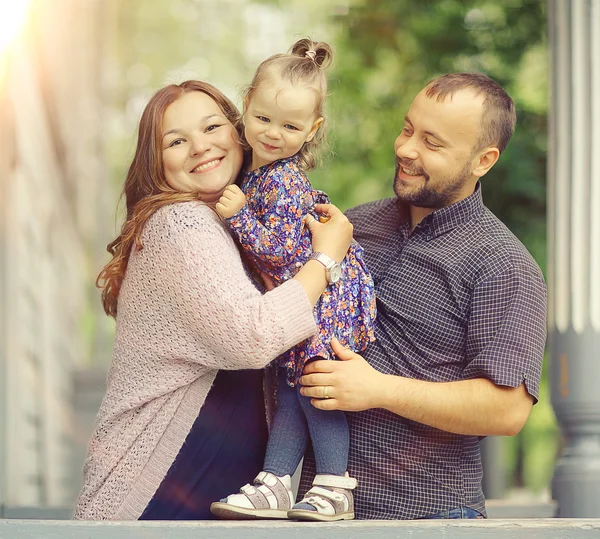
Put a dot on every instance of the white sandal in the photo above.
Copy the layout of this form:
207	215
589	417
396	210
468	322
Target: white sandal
270	497
329	499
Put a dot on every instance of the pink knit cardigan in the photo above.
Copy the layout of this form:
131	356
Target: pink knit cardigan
186	309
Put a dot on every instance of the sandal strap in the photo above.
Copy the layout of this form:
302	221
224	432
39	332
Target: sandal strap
256	497
339	481
322	498
275	490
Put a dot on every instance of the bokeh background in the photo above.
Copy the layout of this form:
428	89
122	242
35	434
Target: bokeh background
74	78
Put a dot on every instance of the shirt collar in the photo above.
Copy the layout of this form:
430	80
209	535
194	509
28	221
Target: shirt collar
441	221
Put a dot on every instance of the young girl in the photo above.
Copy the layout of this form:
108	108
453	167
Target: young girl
283	124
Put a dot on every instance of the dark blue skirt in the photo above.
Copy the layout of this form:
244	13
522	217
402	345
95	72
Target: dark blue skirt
224	450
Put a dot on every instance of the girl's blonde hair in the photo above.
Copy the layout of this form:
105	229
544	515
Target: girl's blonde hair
305	65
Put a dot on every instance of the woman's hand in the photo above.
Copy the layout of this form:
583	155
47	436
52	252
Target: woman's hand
332	237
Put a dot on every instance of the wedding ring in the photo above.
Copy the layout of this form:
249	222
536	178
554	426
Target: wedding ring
309	220
325	392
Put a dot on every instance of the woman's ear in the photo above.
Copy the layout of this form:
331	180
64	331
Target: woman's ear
314	129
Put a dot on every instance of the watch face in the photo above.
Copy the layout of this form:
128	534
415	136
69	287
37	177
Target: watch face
335	273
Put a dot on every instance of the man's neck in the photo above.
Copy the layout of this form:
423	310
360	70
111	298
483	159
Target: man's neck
417	215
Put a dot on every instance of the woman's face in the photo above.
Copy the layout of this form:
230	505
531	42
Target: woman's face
200	147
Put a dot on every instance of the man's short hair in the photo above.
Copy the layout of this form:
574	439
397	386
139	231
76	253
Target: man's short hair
498	117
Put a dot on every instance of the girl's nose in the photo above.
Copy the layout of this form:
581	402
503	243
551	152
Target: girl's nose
273	132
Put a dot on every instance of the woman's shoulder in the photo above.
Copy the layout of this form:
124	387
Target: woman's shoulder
178	220
185	215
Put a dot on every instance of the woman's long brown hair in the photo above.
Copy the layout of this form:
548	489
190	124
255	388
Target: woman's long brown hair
146	188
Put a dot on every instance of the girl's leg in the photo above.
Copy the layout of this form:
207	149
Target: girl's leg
289	434
329	435
331	496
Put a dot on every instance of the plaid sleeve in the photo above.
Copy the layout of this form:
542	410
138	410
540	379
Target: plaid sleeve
507	329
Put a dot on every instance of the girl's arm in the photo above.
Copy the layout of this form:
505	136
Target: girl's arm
274	237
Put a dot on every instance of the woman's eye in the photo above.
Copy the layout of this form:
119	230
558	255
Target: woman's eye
212	127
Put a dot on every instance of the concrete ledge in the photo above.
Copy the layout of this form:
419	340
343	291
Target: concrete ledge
428	529
511	509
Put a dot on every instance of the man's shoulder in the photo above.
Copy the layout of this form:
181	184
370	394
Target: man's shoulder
502	246
377	213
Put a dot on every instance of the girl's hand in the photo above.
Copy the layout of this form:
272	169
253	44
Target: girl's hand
333	237
232	201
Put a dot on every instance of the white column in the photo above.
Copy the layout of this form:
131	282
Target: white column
574	251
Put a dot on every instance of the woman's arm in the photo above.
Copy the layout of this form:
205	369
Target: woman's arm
210	294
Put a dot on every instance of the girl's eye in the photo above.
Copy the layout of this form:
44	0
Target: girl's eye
263	119
291	127
176	142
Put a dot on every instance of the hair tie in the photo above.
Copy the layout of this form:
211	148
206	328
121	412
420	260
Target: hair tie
312	55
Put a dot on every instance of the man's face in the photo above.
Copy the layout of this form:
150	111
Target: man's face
436	152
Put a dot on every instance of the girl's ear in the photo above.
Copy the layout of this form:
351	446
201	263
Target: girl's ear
314	129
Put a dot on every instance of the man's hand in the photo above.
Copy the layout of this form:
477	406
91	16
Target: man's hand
350	384
353	385
232	201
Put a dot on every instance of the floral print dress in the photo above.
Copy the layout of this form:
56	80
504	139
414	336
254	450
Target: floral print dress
270	230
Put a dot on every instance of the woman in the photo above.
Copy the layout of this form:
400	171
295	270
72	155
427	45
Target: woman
189	322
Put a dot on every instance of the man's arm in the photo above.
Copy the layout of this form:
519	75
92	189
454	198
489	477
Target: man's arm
475	407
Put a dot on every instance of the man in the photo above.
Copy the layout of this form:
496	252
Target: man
461	316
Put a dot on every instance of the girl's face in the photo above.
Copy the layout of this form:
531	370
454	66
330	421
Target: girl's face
200	147
279	118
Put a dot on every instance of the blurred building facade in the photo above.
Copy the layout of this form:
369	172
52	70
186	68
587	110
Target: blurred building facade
53	188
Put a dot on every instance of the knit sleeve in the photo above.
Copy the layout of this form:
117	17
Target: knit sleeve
214	299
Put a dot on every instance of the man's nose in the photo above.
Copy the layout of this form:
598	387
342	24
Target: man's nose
406	148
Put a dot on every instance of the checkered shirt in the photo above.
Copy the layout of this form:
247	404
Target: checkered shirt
458	298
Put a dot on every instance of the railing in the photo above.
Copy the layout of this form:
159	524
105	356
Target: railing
428	529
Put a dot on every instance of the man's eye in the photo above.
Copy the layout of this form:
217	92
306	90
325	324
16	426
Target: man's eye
432	145
407	131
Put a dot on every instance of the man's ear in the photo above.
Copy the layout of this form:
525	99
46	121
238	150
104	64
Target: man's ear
486	159
314	129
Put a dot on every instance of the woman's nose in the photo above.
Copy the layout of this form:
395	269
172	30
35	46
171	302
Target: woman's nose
199	145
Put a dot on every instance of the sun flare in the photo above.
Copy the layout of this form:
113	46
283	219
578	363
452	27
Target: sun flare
12	19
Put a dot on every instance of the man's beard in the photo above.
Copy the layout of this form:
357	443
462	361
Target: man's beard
431	196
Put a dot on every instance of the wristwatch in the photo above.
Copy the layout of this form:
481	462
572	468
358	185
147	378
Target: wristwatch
333	268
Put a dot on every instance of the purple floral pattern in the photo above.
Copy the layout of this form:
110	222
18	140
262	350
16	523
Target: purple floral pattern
270	230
